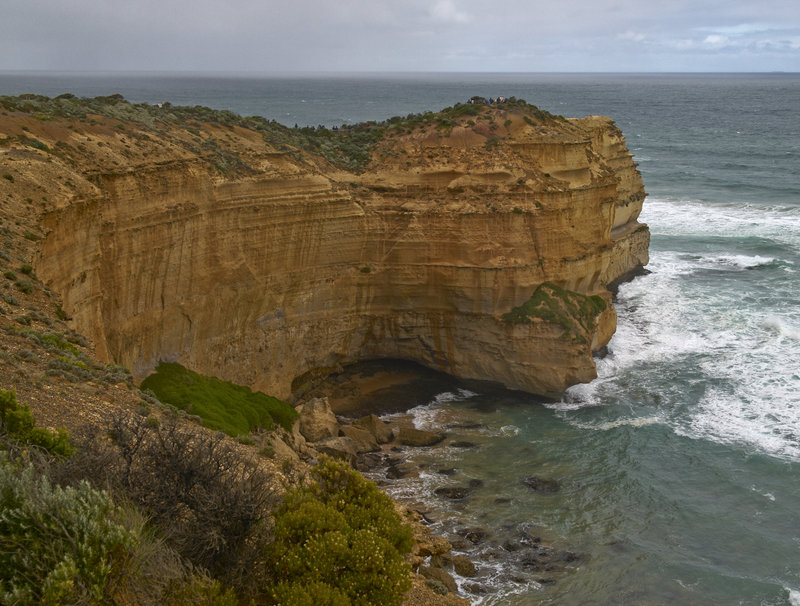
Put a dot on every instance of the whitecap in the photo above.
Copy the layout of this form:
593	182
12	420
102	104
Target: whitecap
780	326
739	261
766	495
736	415
681	217
794	596
426	416
632	422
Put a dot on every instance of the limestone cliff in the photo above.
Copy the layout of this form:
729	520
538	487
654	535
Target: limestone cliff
238	254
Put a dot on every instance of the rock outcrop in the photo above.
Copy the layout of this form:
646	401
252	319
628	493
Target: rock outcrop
192	241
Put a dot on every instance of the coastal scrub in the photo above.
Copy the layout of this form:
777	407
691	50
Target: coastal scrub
574	312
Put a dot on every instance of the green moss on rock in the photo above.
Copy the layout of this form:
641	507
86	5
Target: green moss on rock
222	405
574	312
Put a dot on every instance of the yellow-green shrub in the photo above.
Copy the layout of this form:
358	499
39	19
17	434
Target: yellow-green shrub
17	420
339	541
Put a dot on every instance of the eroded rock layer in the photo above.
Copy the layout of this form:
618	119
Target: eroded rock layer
278	274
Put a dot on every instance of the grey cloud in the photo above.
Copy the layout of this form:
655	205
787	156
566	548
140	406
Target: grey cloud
436	35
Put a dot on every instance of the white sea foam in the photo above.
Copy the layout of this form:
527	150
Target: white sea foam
427	416
634	422
794	596
687	217
737	261
780	326
715	358
767	495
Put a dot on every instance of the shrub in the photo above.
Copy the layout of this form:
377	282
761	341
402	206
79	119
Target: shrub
209	501
339	539
57	545
574	312
73	545
17	420
8	177
24	286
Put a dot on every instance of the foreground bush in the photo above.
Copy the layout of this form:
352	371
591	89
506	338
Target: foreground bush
339	541
209	502
58	545
73	545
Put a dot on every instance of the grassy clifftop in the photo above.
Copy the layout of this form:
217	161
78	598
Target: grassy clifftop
348	147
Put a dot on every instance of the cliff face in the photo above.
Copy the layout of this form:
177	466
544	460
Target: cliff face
277	273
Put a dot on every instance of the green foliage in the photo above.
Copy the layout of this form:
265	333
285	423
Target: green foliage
60	313
222	405
55	341
8	177
24	286
339	541
198	590
17	420
574	312
310	594
57	545
348	147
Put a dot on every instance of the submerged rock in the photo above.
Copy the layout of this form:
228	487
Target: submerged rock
464	566
542	485
454	493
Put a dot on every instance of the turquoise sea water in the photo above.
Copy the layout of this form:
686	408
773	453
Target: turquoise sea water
680	465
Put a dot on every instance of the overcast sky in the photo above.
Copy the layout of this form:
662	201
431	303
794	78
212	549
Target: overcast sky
401	35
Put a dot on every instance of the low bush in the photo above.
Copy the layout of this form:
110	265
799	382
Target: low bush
73	545
209	502
58	545
574	312
17	420
339	541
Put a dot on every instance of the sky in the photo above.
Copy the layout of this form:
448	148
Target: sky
271	36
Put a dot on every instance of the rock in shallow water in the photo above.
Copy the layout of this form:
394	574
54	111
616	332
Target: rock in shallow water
381	431
452	492
542	485
409	436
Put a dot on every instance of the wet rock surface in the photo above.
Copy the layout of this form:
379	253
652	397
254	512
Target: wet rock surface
542	485
474	558
481	557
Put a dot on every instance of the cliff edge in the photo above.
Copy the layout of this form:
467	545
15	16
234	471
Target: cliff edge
478	241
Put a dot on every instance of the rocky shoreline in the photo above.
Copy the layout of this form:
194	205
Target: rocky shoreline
384	446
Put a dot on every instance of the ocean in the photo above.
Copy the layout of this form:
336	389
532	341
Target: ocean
678	468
